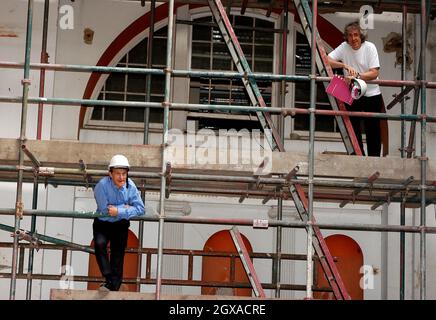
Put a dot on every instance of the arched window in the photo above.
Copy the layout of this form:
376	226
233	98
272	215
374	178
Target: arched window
133	87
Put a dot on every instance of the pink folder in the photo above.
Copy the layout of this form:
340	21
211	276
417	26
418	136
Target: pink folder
339	89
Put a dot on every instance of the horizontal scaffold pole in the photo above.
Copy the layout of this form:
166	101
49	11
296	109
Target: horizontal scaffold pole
230	221
248	109
42	237
202	74
220	178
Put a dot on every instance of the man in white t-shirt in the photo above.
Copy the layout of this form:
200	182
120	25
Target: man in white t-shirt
359	59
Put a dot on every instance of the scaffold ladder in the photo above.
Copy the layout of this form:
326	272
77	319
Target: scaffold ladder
246	262
344	123
249	82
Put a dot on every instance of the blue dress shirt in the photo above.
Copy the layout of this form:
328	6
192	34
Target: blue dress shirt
106	193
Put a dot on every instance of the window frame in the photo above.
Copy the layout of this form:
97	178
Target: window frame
93	124
255	14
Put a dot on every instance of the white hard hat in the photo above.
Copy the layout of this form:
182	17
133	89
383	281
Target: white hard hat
119	161
358	88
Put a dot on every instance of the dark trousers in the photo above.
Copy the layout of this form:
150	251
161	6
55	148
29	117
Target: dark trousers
371	125
116	234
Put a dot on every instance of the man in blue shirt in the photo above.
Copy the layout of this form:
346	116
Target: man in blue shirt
118	197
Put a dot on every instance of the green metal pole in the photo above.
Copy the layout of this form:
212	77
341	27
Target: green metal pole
149	65
209	177
220	221
403	153
311	160
19	197
277	263
423	158
42	237
240	108
198	73
166	104
32	230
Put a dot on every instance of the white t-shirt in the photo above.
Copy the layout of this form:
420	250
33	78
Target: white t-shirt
363	59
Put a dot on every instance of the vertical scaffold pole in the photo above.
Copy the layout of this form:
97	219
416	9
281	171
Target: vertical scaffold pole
149	65
403	153
423	159
43	59
166	105
32	230
277	262
309	268
19	198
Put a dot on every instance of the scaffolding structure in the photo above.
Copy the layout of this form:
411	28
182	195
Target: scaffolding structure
288	184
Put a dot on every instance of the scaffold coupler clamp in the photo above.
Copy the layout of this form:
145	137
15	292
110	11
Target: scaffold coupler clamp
23	235
19	211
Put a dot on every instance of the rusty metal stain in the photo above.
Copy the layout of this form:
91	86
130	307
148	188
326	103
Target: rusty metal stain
7	33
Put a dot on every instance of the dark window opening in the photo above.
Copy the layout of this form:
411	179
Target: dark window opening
209	52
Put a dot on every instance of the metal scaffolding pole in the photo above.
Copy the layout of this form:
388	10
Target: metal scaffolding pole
277	263
219	221
240	108
199	73
403	153
32	230
166	104
419	85
423	157
35	237
403	77
311	156
395	186
140	244
149	65
19	197
44	59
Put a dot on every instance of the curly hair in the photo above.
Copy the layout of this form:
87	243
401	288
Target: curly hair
354	25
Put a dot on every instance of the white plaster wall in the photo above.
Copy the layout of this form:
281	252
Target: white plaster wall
12	48
107	20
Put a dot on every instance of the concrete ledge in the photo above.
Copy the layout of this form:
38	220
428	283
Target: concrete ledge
68	153
59	294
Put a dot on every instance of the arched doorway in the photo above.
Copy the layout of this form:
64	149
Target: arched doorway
349	259
219	269
130	269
